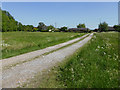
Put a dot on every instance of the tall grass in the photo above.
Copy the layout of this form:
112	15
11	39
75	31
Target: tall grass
93	66
15	43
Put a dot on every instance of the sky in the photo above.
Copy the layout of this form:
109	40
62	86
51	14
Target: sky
68	14
60	0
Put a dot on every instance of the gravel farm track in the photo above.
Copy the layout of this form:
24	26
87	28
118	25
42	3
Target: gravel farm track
19	69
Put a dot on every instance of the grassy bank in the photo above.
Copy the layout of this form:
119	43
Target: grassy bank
95	65
15	43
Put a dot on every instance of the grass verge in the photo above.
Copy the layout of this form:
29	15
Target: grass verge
95	65
16	43
21	62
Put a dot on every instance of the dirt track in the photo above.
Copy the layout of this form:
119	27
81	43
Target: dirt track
17	75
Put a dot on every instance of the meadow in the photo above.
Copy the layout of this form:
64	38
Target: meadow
16	43
95	65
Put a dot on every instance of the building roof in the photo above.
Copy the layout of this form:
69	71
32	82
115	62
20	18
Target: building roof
78	29
111	28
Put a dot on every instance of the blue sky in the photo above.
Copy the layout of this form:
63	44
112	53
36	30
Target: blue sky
63	13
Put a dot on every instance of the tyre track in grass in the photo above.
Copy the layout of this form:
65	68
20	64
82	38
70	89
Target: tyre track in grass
18	75
13	61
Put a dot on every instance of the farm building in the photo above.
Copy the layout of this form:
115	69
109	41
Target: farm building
111	29
95	30
78	30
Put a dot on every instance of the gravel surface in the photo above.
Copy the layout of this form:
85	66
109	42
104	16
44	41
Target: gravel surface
24	57
17	75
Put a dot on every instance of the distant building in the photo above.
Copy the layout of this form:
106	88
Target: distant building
111	29
78	30
95	30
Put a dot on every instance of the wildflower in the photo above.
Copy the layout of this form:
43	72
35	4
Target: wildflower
104	53
71	69
82	64
116	56
98	46
94	36
108	71
73	75
102	47
96	50
115	59
109	55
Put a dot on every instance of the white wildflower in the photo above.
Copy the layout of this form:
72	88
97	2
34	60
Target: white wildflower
71	69
72	36
82	64
116	56
98	46
104	53
96	50
102	47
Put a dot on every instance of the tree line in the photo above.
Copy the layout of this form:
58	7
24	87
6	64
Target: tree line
103	27
10	24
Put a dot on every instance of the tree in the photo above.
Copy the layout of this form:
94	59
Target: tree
63	29
35	29
28	28
103	27
0	20
81	26
20	27
117	27
50	28
57	30
42	26
8	22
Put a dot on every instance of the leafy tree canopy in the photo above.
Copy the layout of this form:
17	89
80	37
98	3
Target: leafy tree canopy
103	27
81	26
117	27
64	29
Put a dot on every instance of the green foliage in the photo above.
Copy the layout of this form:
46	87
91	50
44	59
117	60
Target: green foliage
20	27
42	26
44	30
103	27
56	30
10	24
0	20
63	29
81	26
117	27
35	29
50	28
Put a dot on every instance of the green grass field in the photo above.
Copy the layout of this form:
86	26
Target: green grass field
15	43
95	65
